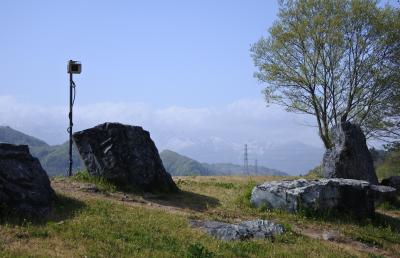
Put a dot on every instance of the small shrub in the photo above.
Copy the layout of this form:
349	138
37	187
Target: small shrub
39	233
315	173
225	185
102	184
243	199
197	250
390	205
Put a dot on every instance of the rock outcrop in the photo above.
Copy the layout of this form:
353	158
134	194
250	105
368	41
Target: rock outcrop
354	197
242	231
125	155
24	186
393	181
350	157
383	193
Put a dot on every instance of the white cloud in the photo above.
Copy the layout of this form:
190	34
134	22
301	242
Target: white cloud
174	127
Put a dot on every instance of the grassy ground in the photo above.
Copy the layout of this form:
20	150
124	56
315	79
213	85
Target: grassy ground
114	224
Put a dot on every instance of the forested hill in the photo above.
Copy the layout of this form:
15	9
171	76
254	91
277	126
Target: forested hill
178	165
54	159
9	135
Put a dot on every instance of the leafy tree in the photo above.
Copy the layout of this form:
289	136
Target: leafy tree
336	60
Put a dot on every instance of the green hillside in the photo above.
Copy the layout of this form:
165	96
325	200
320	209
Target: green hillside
179	165
9	135
54	159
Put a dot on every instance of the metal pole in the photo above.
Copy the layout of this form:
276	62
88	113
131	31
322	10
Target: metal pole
70	124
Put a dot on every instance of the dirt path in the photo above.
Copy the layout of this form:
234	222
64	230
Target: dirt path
339	240
87	191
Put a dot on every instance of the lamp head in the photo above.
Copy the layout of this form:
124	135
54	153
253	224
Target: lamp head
74	67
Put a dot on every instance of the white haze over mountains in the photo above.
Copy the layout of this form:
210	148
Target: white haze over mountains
277	139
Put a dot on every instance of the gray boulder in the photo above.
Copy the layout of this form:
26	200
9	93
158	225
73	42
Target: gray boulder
354	197
24	186
393	181
350	157
125	155
382	193
244	230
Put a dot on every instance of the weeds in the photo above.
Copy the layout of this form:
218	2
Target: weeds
101	183
197	250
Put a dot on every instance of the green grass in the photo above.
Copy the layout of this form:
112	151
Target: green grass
101	183
226	185
106	229
243	198
315	173
92	226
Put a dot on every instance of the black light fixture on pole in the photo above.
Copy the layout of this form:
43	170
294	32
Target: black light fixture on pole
73	67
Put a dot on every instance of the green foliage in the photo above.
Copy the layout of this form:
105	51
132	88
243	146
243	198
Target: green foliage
101	183
333	60
218	184
197	250
243	199
390	205
390	166
316	172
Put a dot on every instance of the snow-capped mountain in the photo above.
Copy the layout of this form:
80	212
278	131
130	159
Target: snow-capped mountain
293	157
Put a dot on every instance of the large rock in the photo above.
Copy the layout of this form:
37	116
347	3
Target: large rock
393	181
125	155
349	196
244	230
24	186
350	157
382	193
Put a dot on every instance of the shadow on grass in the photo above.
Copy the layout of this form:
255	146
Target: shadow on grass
390	205
185	200
64	208
381	219
377	219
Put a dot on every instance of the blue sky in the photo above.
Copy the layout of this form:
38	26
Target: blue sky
190	53
181	69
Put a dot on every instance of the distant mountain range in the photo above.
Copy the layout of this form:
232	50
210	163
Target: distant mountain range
292	157
179	165
54	159
207	157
